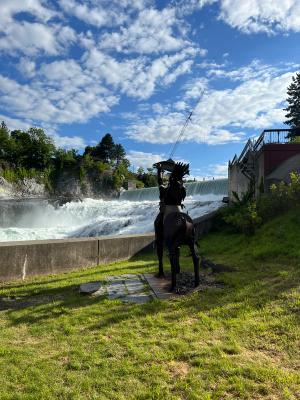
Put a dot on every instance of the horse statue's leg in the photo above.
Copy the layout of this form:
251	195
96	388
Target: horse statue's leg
173	262
173	254
177	252
159	241
160	253
195	256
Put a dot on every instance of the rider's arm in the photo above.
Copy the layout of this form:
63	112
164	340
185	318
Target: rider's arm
159	177
183	193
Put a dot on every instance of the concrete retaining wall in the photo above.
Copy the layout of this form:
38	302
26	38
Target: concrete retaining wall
238	182
204	224
19	260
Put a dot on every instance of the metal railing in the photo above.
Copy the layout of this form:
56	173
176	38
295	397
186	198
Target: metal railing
266	137
248	146
271	136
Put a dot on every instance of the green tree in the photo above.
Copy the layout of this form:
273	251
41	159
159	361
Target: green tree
65	158
5	142
140	172
293	108
104	151
119	153
33	149
88	150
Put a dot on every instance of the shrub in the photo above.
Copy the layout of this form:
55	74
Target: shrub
9	175
244	218
246	214
294	188
275	202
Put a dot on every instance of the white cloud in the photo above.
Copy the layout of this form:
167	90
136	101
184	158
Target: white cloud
94	15
195	88
269	16
255	70
212	171
106	13
69	90
180	106
252	16
68	142
182	69
59	101
27	67
157	52
160	108
164	129
220	170
37	35
189	6
9	8
221	116
151	32
136	77
14	124
144	160
28	38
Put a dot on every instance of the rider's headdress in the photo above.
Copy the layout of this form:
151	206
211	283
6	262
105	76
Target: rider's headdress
179	170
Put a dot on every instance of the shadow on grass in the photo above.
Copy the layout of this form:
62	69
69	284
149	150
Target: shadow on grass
87	273
54	304
248	286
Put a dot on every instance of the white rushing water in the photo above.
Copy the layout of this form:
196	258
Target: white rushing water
36	220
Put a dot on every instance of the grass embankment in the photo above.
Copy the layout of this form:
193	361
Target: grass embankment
241	342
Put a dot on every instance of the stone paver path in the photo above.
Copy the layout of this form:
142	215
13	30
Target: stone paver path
128	288
140	288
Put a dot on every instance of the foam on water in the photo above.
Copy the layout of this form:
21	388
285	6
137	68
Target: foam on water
40	220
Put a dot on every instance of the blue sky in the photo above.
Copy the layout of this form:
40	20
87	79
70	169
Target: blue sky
136	68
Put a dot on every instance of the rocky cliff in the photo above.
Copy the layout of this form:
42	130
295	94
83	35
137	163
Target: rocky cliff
25	188
66	186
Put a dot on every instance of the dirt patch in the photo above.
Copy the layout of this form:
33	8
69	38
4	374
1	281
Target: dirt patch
185	283
178	369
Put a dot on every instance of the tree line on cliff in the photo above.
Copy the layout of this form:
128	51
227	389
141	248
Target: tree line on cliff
33	154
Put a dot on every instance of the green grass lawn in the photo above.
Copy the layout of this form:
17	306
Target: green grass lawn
240	342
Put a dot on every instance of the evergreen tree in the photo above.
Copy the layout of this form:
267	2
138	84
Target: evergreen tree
104	151
119	153
293	108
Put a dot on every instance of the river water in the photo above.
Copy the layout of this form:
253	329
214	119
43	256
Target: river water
134	212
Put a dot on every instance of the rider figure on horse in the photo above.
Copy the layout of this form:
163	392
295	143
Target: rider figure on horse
171	198
172	195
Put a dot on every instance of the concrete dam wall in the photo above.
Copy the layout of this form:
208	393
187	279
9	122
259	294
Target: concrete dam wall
217	187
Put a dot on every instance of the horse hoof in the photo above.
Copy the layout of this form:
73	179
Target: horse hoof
160	275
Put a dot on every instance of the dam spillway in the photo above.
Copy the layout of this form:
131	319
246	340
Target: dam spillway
217	187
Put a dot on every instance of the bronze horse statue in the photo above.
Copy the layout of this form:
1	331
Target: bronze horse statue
173	227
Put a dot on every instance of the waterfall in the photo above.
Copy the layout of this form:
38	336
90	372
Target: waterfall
133	213
217	187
